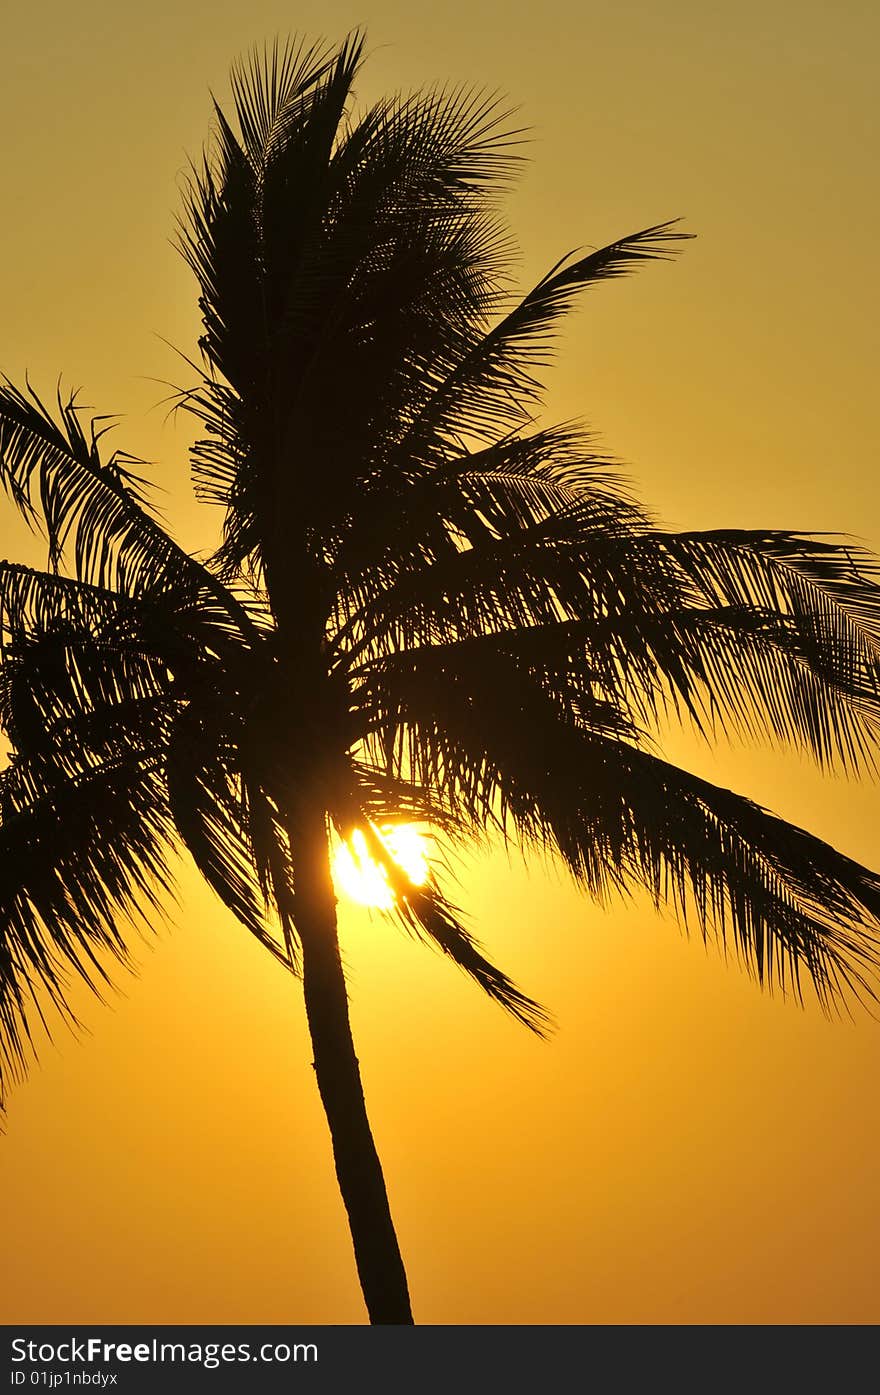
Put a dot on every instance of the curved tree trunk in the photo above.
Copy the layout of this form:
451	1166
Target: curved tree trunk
377	1254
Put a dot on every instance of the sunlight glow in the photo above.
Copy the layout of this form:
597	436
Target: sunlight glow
363	880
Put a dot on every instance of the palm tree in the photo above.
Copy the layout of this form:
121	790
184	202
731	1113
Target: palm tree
425	606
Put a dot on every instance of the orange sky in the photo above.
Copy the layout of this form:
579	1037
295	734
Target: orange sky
685	1149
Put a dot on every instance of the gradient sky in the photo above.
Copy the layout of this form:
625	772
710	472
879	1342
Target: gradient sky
686	1149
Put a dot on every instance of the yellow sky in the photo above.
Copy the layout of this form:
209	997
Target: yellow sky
685	1149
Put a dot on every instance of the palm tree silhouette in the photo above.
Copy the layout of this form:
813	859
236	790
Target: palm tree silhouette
424	606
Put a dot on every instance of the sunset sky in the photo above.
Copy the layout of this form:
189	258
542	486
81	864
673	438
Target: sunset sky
685	1149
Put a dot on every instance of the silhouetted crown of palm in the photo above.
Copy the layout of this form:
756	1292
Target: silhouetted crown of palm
424	606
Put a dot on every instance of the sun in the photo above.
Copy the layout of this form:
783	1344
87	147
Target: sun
363	880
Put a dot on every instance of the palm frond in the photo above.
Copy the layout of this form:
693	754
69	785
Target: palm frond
54	470
425	912
78	857
784	634
79	663
346	227
382	799
570	563
268	88
55	465
493	388
208	807
828	584
410	517
489	740
771	634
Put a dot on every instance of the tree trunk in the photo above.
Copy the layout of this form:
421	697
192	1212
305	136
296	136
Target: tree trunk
377	1254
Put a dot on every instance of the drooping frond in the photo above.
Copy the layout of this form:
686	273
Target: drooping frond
489	739
78	856
85	831
207	804
96	684
829	585
783	636
424	911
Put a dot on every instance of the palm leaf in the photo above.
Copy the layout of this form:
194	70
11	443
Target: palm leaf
493	388
118	542
425	912
78	856
497	748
